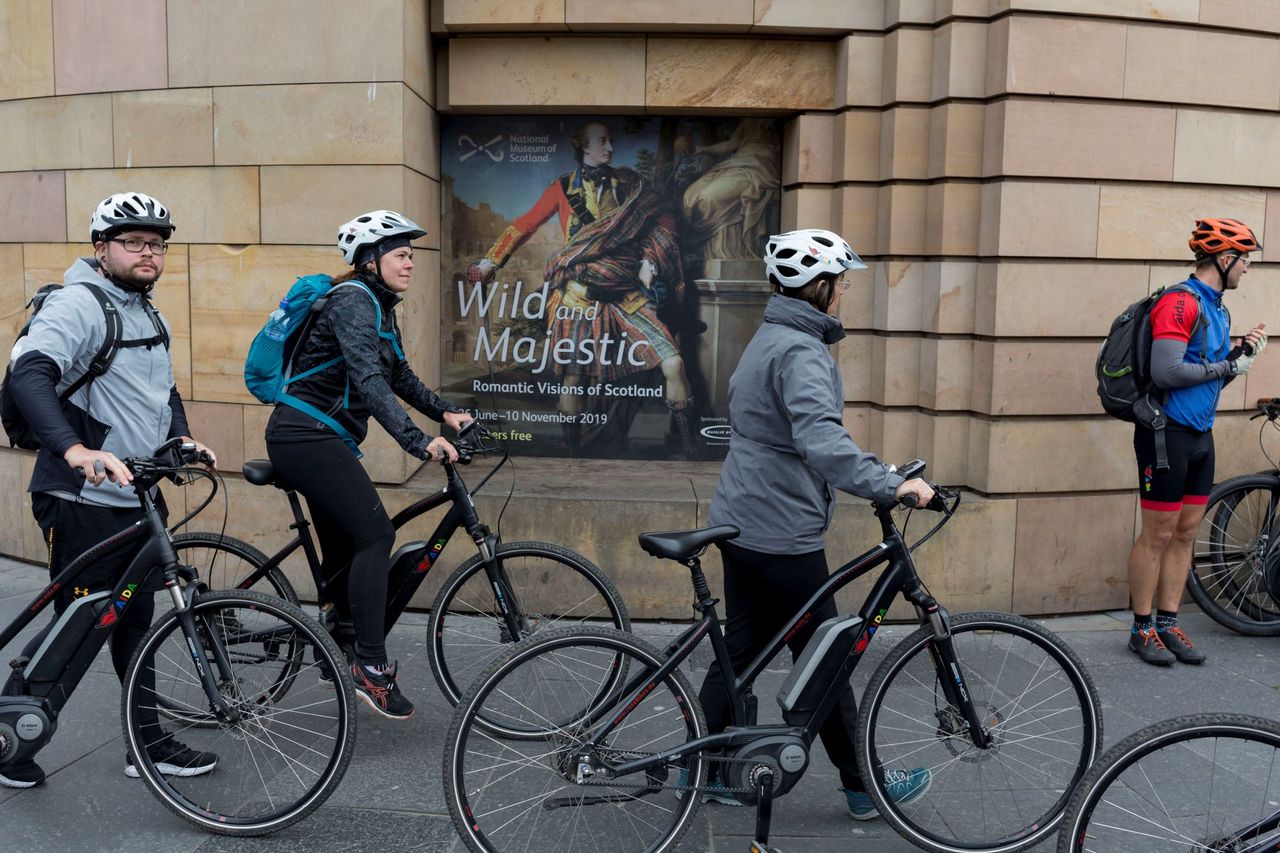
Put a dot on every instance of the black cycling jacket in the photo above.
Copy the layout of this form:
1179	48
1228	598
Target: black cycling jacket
365	383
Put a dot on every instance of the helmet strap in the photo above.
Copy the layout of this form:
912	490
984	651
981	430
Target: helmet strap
1235	259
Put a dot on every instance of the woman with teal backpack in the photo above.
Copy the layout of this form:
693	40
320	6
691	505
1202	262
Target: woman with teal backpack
348	365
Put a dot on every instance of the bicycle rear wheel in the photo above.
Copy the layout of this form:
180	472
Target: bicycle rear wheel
290	747
224	562
1208	783
508	794
1237	555
548	586
1033	696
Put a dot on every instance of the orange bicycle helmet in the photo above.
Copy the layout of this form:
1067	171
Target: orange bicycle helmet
1212	236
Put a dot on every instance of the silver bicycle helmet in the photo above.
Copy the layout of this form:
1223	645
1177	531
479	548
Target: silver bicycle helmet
369	229
123	211
796	258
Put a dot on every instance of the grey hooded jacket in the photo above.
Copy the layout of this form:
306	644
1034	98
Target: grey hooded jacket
788	445
128	411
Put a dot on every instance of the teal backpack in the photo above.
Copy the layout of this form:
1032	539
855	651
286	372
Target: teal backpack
268	368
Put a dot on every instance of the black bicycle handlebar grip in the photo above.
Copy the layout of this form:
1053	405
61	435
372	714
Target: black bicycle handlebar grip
908	500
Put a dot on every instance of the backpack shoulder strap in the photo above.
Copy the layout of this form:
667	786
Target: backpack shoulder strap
110	343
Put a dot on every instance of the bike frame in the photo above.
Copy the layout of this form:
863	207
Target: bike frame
157	552
462	514
899	577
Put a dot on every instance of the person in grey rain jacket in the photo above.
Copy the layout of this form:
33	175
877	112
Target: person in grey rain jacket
367	373
788	449
81	492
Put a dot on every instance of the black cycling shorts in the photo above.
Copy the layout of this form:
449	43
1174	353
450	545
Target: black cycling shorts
1190	474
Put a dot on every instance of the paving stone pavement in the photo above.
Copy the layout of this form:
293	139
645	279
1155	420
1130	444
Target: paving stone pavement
392	798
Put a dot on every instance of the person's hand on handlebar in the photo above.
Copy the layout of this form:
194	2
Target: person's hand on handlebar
98	466
212	463
439	448
457	420
923	491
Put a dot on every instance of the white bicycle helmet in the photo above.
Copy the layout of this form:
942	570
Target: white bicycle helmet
796	258
369	229
129	210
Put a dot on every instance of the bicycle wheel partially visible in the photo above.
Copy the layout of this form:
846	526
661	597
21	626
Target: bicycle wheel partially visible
1033	696
1208	783
549	587
224	562
509	794
289	748
1236	560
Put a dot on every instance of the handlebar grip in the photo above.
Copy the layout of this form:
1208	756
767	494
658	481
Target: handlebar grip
909	501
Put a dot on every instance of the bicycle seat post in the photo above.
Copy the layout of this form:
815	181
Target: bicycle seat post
701	590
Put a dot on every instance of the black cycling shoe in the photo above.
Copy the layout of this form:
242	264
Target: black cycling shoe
1146	644
380	691
1177	641
174	758
21	774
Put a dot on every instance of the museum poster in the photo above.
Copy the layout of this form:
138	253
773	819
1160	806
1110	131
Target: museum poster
601	276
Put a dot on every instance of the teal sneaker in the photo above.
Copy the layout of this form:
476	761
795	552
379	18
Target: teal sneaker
901	786
714	791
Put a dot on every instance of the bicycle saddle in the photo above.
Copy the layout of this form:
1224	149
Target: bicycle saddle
683	544
259	472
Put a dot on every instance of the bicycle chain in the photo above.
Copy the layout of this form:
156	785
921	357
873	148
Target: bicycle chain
633	756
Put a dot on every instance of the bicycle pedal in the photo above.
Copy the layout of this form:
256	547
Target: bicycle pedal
758	847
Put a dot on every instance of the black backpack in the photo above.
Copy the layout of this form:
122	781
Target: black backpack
15	425
1124	368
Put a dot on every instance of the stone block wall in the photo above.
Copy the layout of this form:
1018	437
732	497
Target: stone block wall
1013	171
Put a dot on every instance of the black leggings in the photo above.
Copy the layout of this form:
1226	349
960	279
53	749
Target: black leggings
761	592
352	527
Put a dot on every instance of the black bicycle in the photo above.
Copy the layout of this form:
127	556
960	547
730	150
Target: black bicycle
505	592
245	676
599	731
1235	565
1208	783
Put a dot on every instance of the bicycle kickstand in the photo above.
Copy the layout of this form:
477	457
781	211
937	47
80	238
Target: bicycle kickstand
764	813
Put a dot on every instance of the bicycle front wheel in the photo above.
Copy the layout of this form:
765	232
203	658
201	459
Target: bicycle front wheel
1237	553
1035	700
225	562
1208	783
546	587
508	794
288	749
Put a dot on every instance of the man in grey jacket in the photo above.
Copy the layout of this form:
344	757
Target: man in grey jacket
81	492
788	449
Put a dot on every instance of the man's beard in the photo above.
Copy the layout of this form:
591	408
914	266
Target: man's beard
129	279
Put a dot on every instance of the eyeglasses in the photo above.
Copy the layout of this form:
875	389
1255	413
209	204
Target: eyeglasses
135	244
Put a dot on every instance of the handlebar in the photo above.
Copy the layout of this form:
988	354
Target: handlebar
167	460
471	441
1268	407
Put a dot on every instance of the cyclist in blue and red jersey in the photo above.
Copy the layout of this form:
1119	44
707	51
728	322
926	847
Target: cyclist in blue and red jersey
1191	360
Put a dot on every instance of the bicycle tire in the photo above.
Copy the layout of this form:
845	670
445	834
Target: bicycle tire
904	718
1130	797
464	614
1239	537
541	677
228	561
272	743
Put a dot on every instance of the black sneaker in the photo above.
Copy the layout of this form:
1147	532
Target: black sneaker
380	691
1146	644
174	758
21	774
1177	641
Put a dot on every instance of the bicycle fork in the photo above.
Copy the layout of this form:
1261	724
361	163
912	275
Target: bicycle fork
950	677
514	626
196	639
